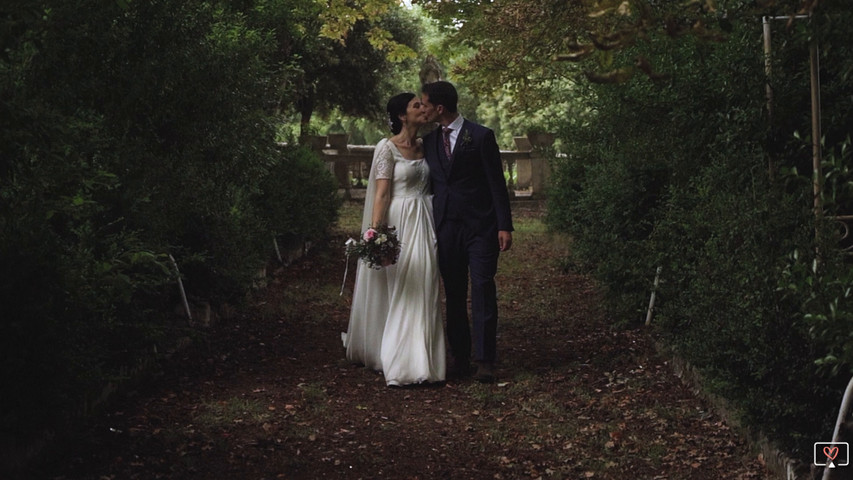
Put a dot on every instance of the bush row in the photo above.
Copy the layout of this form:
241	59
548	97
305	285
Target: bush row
131	131
690	175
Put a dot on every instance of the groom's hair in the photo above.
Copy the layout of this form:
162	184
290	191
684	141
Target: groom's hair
442	93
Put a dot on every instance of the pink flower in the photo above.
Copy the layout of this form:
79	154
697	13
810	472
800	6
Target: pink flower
378	247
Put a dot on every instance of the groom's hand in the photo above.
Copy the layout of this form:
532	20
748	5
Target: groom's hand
504	240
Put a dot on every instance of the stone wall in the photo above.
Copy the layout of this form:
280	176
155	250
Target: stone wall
528	164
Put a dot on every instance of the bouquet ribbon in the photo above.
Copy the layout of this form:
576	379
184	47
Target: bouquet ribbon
349	242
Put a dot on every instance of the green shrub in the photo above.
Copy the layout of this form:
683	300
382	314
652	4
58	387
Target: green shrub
76	285
299	196
676	174
610	213
129	131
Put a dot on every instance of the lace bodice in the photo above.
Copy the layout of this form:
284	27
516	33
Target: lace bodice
410	177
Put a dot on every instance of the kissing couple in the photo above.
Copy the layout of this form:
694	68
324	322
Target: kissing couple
446	196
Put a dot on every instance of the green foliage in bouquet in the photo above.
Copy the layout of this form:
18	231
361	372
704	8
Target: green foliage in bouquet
378	247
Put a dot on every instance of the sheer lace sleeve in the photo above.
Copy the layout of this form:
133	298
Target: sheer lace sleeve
385	161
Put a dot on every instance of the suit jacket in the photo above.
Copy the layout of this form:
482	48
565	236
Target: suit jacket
474	189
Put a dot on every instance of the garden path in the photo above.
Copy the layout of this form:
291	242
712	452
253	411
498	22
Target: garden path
267	394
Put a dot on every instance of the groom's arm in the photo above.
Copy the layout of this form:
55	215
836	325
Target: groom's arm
493	167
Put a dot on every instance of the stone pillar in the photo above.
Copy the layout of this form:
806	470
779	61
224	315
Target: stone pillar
317	142
523	164
543	151
524	173
338	142
540	174
522	144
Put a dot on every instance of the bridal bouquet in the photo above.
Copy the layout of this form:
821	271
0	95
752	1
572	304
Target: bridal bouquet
378	247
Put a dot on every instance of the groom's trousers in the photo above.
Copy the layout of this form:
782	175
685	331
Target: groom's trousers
463	251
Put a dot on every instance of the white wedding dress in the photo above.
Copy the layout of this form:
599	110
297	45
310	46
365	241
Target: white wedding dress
395	322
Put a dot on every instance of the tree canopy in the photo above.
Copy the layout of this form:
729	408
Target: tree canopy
526	45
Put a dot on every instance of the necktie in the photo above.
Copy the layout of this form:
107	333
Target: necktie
446	135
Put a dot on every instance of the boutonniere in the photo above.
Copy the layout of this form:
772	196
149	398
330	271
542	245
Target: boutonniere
466	137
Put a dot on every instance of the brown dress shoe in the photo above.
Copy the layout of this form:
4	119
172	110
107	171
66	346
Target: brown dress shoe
485	373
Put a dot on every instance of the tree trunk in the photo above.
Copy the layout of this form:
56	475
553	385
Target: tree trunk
306	109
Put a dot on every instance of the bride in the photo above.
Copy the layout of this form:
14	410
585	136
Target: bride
395	321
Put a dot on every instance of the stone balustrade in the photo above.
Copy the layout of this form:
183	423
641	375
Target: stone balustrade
528	165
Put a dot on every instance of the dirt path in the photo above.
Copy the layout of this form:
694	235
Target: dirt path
268	395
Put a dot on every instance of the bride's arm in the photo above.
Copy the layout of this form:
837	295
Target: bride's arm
381	202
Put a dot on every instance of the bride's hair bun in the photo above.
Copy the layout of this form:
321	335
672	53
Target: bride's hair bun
397	106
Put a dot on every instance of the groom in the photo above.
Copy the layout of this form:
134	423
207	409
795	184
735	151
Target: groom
473	224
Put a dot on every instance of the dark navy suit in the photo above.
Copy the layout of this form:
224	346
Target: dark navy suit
471	204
